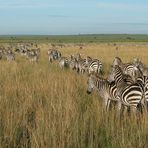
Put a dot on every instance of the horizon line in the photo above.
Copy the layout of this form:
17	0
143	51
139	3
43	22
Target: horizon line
79	34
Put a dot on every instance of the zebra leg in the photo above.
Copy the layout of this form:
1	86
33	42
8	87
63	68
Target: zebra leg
119	108
108	104
119	105
82	71
125	110
77	69
133	109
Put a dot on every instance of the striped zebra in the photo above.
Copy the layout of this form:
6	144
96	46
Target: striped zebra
83	64
1	52
64	62
107	91
36	51
50	57
127	68
130	95
53	55
73	63
141	67
143	82
32	56
10	56
95	66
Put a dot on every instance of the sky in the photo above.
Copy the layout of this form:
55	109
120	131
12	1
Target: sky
62	17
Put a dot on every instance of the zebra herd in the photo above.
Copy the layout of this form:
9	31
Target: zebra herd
126	85
8	54
76	62
26	50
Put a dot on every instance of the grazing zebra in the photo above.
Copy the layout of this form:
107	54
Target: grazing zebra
130	95
32	56
10	56
17	50
50	57
1	53
53	55
106	90
64	62
36	51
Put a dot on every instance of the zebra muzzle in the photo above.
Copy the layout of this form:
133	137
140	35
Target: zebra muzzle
88	92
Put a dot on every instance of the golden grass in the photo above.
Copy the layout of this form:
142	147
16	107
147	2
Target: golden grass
44	106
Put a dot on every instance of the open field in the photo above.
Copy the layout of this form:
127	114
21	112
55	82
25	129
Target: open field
96	38
44	106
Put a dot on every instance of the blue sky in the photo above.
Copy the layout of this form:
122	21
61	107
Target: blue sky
73	16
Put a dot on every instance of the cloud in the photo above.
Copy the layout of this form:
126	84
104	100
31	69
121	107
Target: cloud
23	4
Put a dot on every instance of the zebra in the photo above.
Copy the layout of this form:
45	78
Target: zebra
50	57
141	66
117	61
56	54
130	95
143	81
53	55
10	56
89	65
73	63
32	56
94	65
64	62
107	91
127	68
36	50
1	53
83	65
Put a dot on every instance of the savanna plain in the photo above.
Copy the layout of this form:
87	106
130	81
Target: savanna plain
43	106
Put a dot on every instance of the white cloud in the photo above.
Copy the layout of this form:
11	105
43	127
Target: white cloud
27	4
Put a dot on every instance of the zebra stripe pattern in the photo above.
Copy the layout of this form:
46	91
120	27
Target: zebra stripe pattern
128	68
106	90
95	66
53	55
130	95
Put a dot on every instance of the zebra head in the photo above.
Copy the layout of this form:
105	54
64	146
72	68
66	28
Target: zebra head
117	61
111	76
78	56
73	63
91	83
115	74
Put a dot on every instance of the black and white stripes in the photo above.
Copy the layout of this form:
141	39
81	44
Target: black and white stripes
106	90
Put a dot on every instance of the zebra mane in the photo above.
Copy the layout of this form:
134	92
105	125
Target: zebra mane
97	77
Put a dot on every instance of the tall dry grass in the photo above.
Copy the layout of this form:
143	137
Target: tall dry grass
44	106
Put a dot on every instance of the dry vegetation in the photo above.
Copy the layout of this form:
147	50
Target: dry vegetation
44	106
